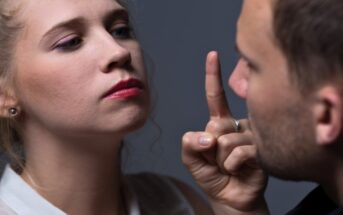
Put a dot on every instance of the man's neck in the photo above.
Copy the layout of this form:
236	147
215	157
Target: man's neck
334	188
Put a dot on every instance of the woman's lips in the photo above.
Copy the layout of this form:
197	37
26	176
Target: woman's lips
125	89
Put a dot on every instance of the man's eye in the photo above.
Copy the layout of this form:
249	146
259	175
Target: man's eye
123	32
249	65
69	44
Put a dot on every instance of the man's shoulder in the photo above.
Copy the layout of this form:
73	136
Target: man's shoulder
316	202
338	211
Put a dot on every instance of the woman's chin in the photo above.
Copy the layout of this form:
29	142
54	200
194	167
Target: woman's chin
138	123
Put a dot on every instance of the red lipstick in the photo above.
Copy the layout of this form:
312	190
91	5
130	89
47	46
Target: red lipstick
125	89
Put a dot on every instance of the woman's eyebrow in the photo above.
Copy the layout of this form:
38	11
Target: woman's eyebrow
80	22
77	22
115	14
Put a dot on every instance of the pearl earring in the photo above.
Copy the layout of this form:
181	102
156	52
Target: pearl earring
13	111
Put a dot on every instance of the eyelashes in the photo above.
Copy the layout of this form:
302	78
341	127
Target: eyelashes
250	66
69	43
73	42
122	32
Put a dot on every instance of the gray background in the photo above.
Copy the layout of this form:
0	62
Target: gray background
176	36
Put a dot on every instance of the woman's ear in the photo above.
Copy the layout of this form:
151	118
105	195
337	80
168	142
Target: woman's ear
328	115
8	103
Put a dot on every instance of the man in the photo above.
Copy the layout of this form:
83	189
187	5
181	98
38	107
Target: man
291	75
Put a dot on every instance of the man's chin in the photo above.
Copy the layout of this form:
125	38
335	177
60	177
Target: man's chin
278	171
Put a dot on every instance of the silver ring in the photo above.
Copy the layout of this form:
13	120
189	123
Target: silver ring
236	125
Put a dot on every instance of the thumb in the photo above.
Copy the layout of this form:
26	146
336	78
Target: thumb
198	150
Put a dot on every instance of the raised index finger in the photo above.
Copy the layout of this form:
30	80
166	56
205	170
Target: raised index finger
215	94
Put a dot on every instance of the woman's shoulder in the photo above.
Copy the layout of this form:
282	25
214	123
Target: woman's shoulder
5	209
160	194
156	183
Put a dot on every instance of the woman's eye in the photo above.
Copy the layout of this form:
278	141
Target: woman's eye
69	44
123	32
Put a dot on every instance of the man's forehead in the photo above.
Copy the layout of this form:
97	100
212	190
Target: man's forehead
256	14
255	37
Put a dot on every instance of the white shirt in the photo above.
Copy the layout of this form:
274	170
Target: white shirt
18	198
146	194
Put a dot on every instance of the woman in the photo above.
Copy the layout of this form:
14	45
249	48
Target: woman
72	86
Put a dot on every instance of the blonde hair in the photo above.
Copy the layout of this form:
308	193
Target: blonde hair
9	30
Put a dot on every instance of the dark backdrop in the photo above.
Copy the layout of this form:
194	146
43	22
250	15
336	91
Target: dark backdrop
176	36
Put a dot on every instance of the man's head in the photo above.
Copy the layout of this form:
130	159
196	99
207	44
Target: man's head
291	74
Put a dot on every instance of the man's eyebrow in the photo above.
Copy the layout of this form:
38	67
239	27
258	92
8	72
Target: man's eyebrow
251	62
242	55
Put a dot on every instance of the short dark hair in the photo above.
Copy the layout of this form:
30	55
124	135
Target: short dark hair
310	34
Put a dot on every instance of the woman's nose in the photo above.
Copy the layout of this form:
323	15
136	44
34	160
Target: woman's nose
238	80
116	55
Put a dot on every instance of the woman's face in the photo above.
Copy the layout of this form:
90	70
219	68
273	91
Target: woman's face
79	69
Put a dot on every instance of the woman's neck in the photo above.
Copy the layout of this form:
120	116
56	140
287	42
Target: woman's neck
78	176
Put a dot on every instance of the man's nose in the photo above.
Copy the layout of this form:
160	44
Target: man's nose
238	80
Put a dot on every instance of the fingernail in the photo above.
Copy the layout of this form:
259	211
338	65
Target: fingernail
205	140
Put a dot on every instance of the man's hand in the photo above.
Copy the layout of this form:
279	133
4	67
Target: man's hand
222	160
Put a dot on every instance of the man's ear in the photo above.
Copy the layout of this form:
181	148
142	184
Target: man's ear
328	115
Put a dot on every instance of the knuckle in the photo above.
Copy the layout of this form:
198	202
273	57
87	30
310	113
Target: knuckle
221	126
215	94
186	138
239	152
244	121
228	167
231	141
184	159
227	141
214	125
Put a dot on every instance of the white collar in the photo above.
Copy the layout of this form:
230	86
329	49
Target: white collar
22	199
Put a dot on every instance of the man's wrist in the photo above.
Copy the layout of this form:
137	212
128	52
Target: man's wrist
259	208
